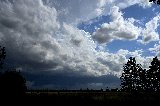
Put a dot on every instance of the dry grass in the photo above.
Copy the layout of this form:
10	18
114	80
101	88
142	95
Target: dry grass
94	98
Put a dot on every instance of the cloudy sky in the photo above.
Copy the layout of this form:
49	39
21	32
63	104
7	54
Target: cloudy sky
73	44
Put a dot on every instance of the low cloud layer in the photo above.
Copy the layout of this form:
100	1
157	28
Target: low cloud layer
70	81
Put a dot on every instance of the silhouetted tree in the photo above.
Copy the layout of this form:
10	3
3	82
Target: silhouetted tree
126	78
133	76
153	75
155	1
2	55
12	83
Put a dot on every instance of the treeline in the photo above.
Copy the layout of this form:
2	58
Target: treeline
65	90
135	78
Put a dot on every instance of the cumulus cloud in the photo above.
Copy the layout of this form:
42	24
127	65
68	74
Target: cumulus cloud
35	40
119	28
138	54
156	49
150	32
26	31
127	3
125	29
41	37
74	12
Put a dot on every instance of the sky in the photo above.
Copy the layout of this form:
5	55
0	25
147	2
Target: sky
73	44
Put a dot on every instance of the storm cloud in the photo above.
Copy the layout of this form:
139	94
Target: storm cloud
41	38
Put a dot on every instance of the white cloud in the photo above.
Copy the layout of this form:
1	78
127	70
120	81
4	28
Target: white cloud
74	12
125	29
155	49
36	40
119	28
144	61
126	3
149	33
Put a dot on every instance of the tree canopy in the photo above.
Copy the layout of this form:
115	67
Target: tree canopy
155	1
11	81
2	55
135	78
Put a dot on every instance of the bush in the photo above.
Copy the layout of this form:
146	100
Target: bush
12	83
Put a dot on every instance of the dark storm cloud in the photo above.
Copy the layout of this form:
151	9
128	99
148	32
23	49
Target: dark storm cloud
24	30
72	81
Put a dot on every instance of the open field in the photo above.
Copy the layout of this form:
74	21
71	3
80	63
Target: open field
92	98
83	98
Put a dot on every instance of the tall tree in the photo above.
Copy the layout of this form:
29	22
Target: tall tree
2	55
12	83
127	75
140	78
133	76
153	75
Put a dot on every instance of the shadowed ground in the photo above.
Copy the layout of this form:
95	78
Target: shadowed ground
89	98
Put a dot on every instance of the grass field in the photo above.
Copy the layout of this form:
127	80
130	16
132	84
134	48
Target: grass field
92	98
